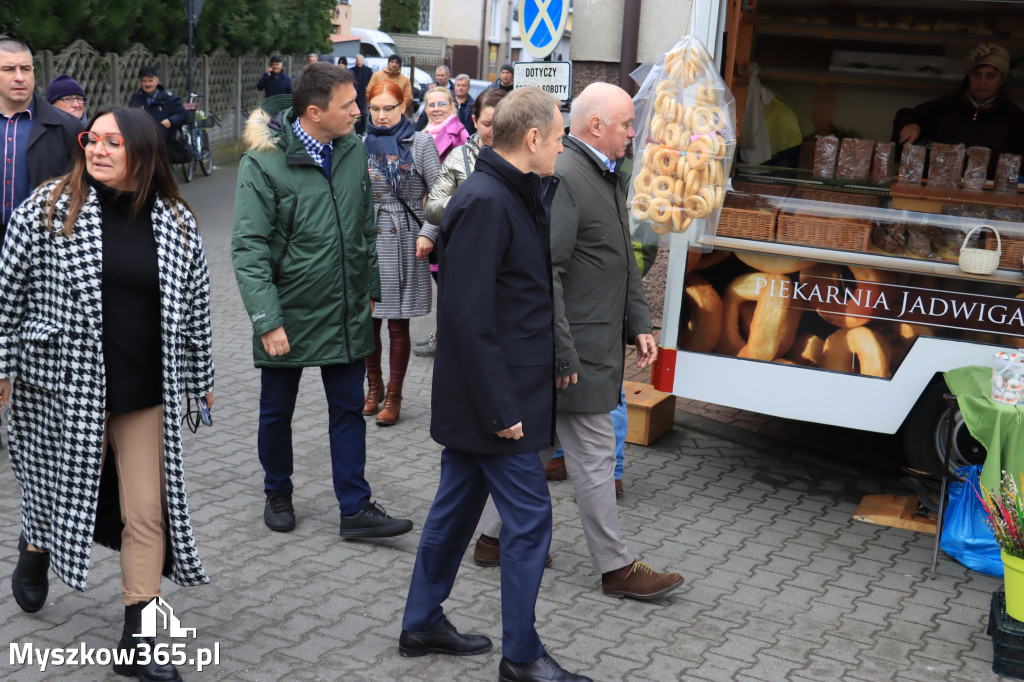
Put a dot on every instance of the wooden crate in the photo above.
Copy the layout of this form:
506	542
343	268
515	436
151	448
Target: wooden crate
651	413
756	224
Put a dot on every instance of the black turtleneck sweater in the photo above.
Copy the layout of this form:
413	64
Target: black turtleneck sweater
130	289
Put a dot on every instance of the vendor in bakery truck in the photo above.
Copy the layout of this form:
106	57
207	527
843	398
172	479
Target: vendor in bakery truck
801	298
978	114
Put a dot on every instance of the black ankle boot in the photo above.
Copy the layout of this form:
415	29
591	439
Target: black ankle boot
30	582
152	671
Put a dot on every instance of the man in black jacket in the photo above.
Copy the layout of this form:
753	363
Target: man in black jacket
362	73
493	393
38	139
275	81
163	105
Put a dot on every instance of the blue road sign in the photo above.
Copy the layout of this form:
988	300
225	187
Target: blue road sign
541	25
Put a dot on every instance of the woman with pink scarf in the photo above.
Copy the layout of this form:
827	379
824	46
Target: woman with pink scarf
444	124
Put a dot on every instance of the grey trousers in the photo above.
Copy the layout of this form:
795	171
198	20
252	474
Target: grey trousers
588	443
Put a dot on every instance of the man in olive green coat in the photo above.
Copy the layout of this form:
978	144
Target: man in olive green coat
305	256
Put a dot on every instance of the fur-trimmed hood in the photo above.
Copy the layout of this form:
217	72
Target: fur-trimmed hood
265	125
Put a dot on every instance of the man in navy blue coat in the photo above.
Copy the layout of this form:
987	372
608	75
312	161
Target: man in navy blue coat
493	392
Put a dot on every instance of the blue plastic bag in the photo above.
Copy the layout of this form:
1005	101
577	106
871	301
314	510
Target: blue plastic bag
965	535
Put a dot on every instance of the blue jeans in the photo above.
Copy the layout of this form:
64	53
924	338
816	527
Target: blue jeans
620	422
343	385
520	492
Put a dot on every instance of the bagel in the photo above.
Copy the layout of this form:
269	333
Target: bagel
665	160
861	344
704	319
699	152
773	325
843	305
664	101
641	206
663	186
695	206
657	128
673	136
661	228
703	121
680	221
642	181
773	265
807	349
719	121
660	210
692	185
707	94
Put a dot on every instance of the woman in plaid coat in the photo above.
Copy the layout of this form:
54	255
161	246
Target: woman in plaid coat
403	165
104	332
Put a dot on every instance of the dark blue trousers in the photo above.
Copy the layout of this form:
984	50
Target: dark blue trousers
520	492
343	385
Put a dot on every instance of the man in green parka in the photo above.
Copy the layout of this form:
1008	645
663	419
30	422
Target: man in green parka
305	256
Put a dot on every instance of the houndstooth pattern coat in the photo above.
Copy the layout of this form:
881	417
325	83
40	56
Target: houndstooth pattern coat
50	347
404	278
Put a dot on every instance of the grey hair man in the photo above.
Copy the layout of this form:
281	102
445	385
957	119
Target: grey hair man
38	139
599	303
443	78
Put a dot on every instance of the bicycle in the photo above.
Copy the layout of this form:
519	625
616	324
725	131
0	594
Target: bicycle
198	138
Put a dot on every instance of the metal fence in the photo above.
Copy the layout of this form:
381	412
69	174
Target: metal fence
227	83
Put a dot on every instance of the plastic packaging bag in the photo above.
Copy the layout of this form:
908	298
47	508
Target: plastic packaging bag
826	149
686	136
1007	170
976	172
965	536
912	164
854	162
946	165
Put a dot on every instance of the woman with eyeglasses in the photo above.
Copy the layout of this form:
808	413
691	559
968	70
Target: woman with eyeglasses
403	165
444	124
104	334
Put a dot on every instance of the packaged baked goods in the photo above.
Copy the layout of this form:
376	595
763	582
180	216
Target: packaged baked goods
1007	170
976	172
826	151
889	237
685	144
945	165
912	164
854	162
1013	215
883	164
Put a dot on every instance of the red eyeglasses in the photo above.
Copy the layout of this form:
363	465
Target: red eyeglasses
89	140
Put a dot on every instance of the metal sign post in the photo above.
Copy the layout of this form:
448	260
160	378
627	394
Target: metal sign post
193	8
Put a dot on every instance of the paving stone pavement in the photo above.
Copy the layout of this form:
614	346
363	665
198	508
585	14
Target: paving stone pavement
781	583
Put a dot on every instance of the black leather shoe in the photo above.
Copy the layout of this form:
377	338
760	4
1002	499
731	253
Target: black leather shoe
129	643
30	583
444	639
278	513
372	522
544	669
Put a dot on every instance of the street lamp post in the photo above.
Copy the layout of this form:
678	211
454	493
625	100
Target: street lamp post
193	8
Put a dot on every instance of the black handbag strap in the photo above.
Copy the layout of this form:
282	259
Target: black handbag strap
412	214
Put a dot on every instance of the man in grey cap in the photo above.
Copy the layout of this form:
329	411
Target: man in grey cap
978	114
163	105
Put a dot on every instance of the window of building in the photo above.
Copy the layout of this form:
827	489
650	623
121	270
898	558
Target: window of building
425	16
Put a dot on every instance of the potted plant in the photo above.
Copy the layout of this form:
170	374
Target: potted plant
1004	514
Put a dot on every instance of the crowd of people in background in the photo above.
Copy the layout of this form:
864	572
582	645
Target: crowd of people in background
481	195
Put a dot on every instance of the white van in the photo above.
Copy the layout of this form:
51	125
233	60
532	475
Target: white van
377	46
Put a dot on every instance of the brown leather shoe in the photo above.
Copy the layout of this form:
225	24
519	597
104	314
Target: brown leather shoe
555	469
639	581
618	489
391	407
487	552
374	393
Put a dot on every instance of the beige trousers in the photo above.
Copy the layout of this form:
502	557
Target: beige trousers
137	439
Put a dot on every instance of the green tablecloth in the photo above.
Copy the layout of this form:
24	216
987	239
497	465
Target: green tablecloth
997	426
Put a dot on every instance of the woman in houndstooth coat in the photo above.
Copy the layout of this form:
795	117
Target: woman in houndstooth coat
104	332
403	166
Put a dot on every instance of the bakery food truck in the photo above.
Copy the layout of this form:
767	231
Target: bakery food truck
838	291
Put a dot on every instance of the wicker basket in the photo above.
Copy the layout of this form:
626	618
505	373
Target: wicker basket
1013	252
846	234
809	194
980	261
747	223
762	188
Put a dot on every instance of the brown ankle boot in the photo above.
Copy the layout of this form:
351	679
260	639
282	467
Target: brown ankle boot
391	406
374	394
